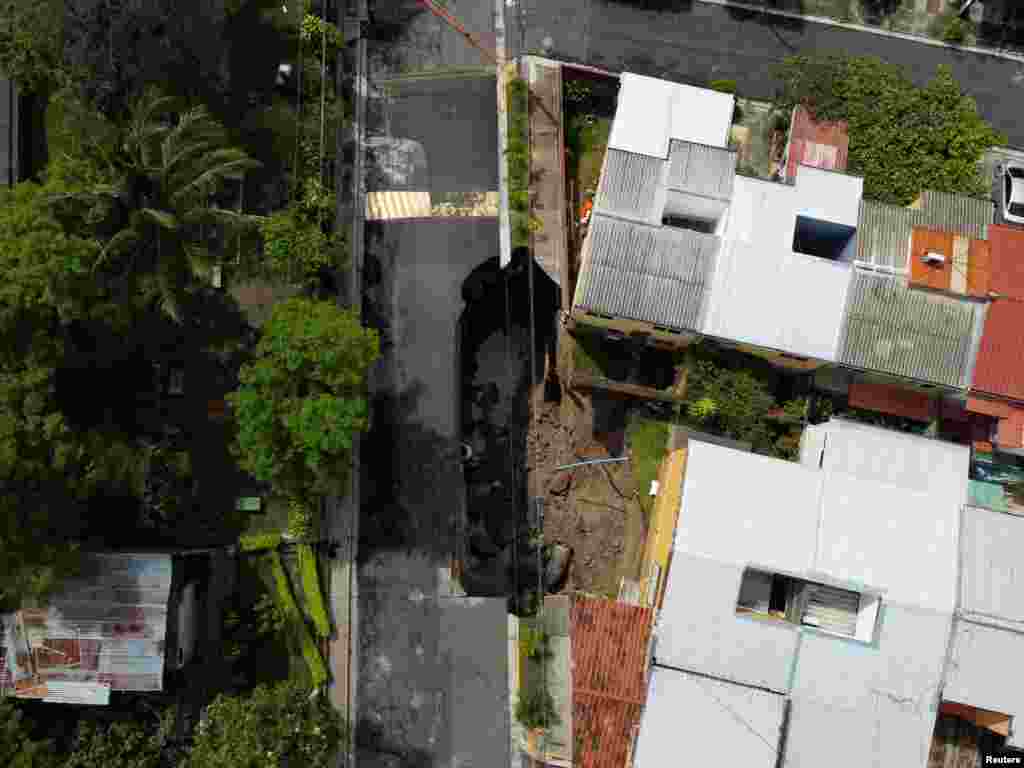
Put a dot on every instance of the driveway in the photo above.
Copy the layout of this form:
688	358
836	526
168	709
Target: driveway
696	42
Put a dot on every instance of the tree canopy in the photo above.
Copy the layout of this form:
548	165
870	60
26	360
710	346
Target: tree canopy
302	397
17	747
903	138
269	727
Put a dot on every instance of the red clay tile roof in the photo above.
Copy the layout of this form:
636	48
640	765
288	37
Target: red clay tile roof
1011	431
999	368
609	657
896	401
821	144
1007	246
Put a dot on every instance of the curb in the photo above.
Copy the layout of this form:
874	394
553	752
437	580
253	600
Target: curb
1018	57
504	220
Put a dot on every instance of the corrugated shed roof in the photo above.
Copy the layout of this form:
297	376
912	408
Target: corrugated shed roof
609	653
1007	253
107	626
808	137
884	231
701	169
659	275
916	334
999	369
629	185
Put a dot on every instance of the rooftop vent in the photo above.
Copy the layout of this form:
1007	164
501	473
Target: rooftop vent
931	257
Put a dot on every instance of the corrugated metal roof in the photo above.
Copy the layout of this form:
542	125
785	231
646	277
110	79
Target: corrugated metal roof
701	169
919	335
659	275
106	626
387	205
809	137
609	654
629	185
999	369
1007	253
884	231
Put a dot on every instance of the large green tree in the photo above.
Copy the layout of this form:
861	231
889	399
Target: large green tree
150	198
17	747
138	743
903	138
267	728
303	398
31	42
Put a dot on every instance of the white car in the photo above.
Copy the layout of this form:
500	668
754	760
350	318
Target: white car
1013	192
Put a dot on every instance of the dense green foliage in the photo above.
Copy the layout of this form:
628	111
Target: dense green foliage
31	41
517	158
298	632
535	708
17	747
129	743
903	138
295	245
154	199
259	542
268	728
302	398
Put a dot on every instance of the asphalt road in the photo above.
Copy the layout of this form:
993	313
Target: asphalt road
413	488
696	42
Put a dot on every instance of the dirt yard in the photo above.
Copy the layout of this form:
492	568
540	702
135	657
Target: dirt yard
594	510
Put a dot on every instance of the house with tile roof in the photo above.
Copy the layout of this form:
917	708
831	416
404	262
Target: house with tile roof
793	632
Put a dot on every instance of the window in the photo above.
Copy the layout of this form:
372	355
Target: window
806	603
1016	209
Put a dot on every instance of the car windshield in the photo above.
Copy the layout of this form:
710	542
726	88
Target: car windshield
1017	173
1016	209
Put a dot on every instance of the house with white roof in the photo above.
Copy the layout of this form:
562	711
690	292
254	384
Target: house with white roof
827	612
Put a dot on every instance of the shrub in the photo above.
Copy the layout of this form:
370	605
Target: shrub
723	86
259	542
312	592
286	601
536	709
534	642
955	30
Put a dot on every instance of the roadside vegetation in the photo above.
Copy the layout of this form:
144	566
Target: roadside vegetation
174	161
903	138
517	157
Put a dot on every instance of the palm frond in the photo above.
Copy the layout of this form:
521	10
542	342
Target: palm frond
119	243
163	219
232	220
208	180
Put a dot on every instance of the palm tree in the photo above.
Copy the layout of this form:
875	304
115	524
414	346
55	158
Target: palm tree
161	173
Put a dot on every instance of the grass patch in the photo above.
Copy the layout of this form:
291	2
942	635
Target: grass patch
647	440
587	138
300	638
590	355
517	157
311	591
259	542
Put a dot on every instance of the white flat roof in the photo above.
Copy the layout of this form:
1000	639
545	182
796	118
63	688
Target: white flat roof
715	723
650	112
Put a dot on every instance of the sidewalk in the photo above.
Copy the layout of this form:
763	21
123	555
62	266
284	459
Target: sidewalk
920	21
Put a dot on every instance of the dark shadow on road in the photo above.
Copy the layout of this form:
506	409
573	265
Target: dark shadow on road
661	6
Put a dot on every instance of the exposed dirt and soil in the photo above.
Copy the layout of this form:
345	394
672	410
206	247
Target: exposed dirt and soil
594	510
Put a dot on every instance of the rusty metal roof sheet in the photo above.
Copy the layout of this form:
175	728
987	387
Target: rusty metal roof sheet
629	185
659	275
701	170
105	628
610	645
999	369
1007	261
816	143
907	332
884	231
